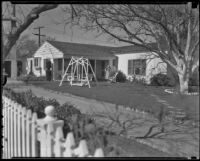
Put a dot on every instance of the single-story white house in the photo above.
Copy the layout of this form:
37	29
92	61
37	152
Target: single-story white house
58	54
131	60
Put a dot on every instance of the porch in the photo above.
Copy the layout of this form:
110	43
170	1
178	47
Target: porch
98	65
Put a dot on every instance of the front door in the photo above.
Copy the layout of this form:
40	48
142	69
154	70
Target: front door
103	67
49	70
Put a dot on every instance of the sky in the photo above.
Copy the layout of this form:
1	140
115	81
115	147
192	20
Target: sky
51	20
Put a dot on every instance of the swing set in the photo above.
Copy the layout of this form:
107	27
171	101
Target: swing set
79	72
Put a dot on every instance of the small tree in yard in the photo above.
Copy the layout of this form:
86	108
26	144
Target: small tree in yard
174	30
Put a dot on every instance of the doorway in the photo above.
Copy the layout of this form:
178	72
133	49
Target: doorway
49	70
19	68
7	66
31	69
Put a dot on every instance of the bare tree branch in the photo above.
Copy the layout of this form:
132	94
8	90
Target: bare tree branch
33	15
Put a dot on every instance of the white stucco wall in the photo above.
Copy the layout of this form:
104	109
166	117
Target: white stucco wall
46	51
153	65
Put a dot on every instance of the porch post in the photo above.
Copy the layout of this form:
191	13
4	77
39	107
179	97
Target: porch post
53	70
110	62
95	66
63	70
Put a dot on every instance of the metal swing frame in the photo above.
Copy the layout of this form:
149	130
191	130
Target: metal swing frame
79	72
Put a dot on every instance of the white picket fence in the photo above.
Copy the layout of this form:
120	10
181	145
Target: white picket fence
24	135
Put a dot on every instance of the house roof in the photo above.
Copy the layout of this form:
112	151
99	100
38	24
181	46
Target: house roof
77	49
132	49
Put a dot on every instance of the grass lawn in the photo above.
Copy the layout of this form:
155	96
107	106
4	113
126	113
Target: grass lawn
133	95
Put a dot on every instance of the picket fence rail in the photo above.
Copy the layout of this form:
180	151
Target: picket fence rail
24	135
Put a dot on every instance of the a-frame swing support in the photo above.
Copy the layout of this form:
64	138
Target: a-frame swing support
79	67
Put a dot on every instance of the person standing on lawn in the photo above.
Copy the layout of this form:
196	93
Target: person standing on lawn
48	71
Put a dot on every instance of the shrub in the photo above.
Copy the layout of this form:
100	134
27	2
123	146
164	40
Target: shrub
82	125
160	80
194	80
134	79
121	77
31	77
30	101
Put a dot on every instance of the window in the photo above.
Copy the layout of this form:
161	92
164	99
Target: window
37	62
60	64
137	67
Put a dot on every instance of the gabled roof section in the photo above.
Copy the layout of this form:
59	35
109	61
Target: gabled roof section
76	49
133	49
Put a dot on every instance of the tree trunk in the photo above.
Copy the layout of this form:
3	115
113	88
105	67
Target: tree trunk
183	82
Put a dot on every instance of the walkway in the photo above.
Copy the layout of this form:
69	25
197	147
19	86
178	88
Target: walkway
178	140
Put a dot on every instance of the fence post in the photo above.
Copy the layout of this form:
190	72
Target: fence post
82	150
99	153
43	124
12	128
19	131
42	139
15	128
34	148
23	132
28	133
50	140
4	127
9	129
69	144
58	142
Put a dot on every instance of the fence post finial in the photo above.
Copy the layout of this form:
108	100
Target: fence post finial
50	112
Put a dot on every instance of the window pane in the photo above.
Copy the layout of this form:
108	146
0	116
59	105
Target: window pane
137	71
138	66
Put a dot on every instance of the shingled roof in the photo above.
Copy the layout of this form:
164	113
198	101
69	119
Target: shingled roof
132	49
76	49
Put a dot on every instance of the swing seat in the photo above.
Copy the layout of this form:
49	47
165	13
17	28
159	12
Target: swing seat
77	84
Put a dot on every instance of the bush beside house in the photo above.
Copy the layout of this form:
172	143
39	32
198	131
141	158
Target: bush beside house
121	77
161	80
31	77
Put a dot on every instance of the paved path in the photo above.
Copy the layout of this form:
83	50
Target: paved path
180	140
